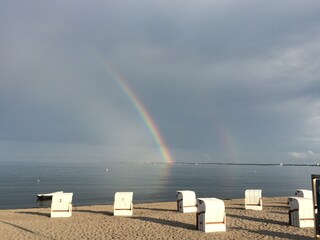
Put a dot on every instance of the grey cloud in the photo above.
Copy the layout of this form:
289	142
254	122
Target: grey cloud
251	68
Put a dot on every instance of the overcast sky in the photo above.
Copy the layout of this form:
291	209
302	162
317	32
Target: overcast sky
224	81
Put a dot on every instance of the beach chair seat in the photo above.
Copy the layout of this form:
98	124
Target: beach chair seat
253	199
211	215
303	193
186	201
61	205
301	212
123	205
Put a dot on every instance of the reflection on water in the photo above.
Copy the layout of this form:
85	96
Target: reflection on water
97	183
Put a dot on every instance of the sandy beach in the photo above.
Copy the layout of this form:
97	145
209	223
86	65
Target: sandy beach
150	221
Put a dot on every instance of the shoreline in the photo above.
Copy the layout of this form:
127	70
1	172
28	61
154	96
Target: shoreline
157	220
47	203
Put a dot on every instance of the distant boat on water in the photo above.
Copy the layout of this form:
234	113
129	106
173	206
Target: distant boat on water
46	196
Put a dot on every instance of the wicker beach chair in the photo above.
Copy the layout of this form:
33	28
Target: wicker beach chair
303	193
211	215
253	199
301	212
186	201
61	205
123	205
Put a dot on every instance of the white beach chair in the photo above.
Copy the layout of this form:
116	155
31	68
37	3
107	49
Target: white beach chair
303	193
253	199
211	215
123	205
61	205
301	212
186	201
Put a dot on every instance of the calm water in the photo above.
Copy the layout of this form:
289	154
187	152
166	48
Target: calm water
97	183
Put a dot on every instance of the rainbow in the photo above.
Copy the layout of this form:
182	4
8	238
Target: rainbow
141	109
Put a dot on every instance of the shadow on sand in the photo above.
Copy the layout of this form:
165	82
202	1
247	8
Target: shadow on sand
156	209
24	229
273	234
36	213
167	222
96	212
270	221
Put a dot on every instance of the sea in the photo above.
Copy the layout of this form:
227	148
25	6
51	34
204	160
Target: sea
96	183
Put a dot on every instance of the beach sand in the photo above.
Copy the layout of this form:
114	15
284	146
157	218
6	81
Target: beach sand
151	221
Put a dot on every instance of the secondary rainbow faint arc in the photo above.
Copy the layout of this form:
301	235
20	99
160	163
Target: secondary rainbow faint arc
138	105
